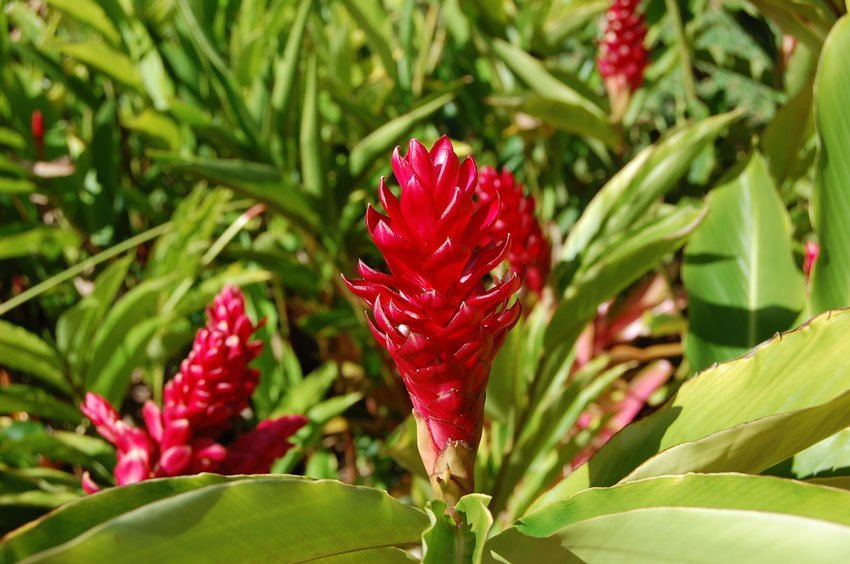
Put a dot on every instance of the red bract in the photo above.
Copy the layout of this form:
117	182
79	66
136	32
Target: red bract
215	383
201	402
134	448
530	254
440	323
255	451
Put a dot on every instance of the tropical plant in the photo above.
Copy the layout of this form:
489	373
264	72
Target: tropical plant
608	281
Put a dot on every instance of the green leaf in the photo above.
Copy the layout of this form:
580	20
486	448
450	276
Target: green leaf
731	518
445	541
383	139
37	403
89	13
751	447
568	116
797	370
787	133
715	491
803	19
372	19
21	350
829	455
309	391
284	72
626	260
831	199
651	174
42	240
535	75
742	281
311	139
76	327
305	520
100	56
259	181
16	186
156	125
75	518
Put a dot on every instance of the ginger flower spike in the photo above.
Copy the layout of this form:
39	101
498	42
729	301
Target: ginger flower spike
433	312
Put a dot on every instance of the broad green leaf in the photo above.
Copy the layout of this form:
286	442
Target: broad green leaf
445	541
383	139
742	281
696	518
714	491
831	455
77	517
21	350
668	534
285	517
105	59
36	403
831	197
797	370
753	446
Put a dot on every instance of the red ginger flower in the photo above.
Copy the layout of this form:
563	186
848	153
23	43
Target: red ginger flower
213	386
215	383
622	55
255	451
433	313
531	254
135	450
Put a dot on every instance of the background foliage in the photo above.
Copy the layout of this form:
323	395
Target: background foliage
190	144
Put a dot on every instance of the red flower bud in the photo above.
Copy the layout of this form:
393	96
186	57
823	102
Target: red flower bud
433	313
531	254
